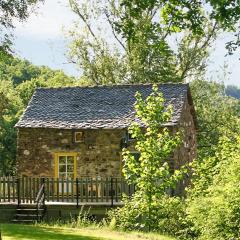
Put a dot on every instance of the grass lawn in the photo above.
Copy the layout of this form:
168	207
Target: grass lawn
31	232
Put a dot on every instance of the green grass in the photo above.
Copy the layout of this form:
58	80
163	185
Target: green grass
31	232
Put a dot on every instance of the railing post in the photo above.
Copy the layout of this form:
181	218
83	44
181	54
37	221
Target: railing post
116	190
111	191
43	183
37	213
77	193
18	192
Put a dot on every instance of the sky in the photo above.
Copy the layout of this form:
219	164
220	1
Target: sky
41	40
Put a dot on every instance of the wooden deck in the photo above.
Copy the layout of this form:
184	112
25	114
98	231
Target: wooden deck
56	191
62	199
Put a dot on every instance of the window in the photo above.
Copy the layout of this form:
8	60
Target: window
130	137
78	137
65	170
65	165
135	154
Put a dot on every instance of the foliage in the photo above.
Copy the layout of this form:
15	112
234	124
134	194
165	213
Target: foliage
178	15
216	212
155	145
10	11
151	208
217	114
211	206
21	78
11	107
19	71
233	91
169	215
211	210
110	48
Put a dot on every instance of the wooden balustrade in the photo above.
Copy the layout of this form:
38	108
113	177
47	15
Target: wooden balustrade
79	190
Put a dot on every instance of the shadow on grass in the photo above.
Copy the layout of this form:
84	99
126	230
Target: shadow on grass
26	232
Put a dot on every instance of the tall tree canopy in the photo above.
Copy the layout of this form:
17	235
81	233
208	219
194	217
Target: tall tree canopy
179	15
121	41
11	10
133	41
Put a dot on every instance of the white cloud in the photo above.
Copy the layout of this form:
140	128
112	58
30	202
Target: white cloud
48	20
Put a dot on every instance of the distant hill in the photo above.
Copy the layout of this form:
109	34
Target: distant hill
233	91
20	70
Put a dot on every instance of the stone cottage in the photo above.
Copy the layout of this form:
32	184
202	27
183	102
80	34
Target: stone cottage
80	131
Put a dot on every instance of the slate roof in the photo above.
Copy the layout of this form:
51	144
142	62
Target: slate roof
94	107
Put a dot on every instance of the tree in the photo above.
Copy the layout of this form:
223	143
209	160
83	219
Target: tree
151	172
178	15
215	211
218	117
21	70
110	48
217	114
11	10
11	108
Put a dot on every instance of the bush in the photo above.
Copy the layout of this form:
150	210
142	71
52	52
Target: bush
216	213
169	216
130	216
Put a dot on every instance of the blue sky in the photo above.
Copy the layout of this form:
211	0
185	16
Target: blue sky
41	40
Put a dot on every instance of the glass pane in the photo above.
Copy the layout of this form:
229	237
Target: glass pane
70	160
62	175
70	168
70	175
62	160
136	155
62	168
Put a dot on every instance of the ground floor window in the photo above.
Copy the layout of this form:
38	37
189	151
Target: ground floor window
65	165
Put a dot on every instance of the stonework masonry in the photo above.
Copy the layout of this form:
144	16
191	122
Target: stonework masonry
98	155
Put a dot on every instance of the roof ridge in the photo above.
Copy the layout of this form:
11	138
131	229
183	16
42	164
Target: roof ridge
113	86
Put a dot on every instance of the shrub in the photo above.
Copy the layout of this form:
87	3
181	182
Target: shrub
169	216
130	216
216	213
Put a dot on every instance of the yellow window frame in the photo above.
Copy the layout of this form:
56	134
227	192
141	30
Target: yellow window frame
70	154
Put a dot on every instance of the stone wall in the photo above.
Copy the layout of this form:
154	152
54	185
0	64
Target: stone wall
98	154
187	151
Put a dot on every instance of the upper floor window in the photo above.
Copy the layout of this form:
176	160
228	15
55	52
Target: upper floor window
78	137
135	154
130	137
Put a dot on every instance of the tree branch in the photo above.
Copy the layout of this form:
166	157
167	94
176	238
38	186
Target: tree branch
113	31
75	9
197	51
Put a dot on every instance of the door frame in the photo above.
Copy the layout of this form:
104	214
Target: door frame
56	161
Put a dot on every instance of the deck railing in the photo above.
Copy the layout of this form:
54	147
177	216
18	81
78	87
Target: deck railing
79	190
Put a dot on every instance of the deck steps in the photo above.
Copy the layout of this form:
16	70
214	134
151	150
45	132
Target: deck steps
26	214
